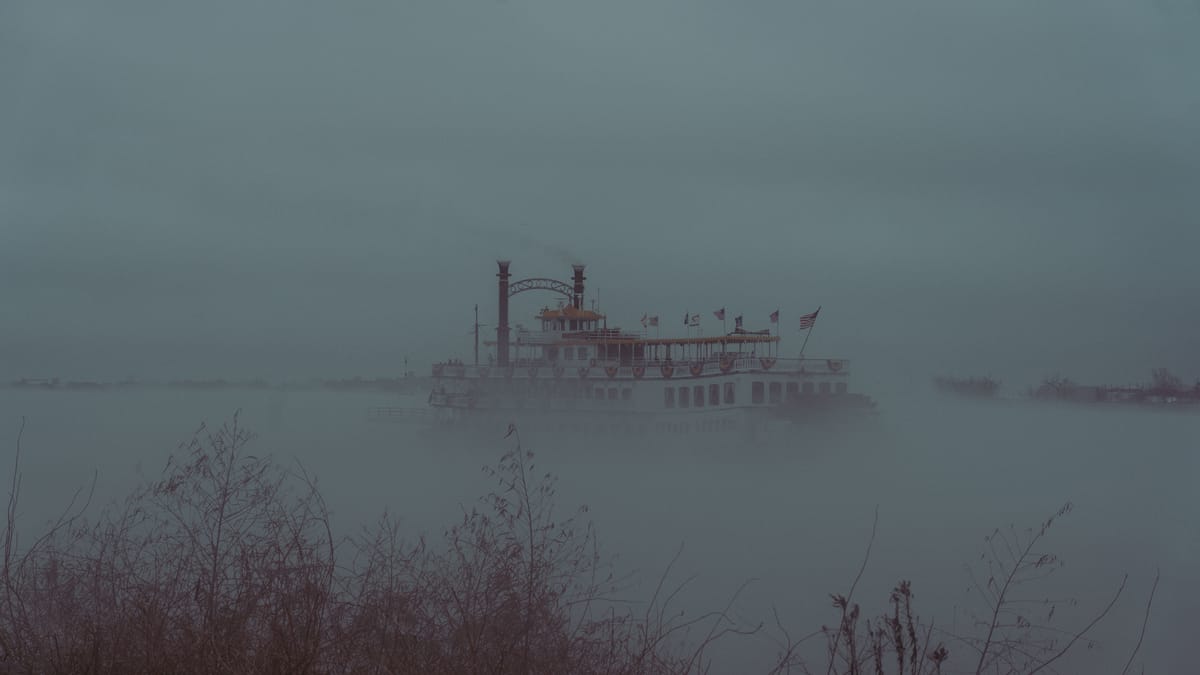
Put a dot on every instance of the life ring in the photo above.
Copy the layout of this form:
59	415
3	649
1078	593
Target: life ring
611	371
558	371
583	372
766	363
834	365
667	371
639	371
726	365
696	368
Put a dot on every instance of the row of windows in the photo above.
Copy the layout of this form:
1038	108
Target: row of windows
600	393
694	397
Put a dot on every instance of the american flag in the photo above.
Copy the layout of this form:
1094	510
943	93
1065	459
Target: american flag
808	320
654	321
720	314
775	316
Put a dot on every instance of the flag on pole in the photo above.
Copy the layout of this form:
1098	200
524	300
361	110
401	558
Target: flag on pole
654	321
737	322
720	314
808	320
695	320
775	316
686	318
644	320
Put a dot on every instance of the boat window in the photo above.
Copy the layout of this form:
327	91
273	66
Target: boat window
825	387
840	387
669	397
756	392
793	390
698	395
626	394
612	393
775	391
729	393
808	387
714	394
684	399
583	354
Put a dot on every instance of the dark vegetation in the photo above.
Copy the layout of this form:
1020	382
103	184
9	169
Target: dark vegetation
227	564
981	387
1163	387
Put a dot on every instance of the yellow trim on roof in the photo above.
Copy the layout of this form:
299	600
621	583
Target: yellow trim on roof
569	312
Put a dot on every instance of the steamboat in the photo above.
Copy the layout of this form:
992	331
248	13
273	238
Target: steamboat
576	374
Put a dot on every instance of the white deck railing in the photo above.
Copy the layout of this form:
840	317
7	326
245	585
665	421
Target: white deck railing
653	368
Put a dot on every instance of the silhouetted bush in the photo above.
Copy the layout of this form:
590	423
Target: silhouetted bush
227	564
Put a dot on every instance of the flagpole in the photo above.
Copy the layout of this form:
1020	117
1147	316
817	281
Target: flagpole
809	334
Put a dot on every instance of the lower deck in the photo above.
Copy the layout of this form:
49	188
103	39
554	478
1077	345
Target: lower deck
715	392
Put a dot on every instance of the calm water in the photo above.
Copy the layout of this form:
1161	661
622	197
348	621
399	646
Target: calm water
796	519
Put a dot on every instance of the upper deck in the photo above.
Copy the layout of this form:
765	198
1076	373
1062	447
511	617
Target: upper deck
577	341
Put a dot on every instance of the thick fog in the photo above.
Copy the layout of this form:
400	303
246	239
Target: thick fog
275	187
290	190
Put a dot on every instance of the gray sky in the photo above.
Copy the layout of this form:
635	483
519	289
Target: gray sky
289	189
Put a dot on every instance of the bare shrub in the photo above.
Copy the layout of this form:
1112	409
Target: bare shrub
220	566
226	564
1013	632
513	588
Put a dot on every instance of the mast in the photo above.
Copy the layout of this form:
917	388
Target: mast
476	335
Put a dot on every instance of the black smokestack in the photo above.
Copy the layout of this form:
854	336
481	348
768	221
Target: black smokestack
502	328
577	301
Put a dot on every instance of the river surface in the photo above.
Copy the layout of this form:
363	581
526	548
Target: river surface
796	519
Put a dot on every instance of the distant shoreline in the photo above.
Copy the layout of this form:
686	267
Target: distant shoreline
408	383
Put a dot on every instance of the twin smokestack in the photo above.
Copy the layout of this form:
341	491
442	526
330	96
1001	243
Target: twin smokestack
504	285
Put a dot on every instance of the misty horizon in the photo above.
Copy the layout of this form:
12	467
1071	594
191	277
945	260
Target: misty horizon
295	191
327	191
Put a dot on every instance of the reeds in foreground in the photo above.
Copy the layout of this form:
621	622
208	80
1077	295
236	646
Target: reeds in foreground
227	564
